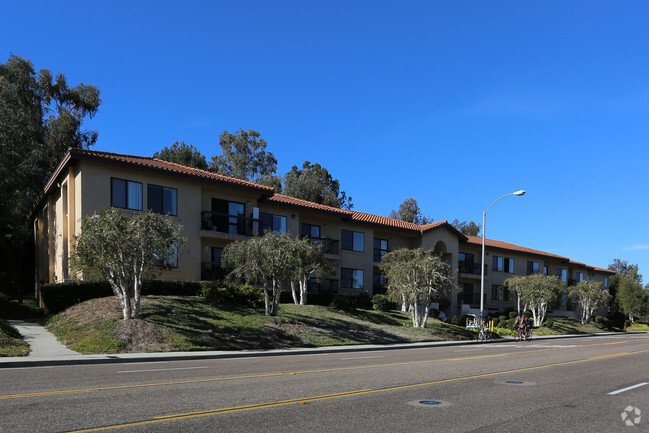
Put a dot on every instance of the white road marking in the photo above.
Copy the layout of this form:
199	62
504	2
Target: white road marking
21	368
160	369
363	357
470	350
619	391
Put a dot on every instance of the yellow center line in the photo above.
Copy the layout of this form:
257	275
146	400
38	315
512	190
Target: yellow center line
329	370
227	410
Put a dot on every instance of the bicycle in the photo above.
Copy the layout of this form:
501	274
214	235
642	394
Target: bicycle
483	335
524	335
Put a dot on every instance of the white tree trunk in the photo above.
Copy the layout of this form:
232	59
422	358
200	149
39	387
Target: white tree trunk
294	293
303	292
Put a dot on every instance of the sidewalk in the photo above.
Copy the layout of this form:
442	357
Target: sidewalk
47	351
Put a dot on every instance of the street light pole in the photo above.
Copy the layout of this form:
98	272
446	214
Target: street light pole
482	264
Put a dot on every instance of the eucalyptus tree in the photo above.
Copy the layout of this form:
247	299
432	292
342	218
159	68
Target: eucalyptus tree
314	183
416	278
410	212
244	156
183	154
591	295
126	248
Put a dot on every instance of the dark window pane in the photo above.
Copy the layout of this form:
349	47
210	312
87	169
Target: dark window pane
154	200
118	193
347	240
169	201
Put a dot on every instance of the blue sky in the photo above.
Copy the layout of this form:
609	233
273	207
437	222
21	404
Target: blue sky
452	103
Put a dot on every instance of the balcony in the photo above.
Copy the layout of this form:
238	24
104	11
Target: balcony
472	269
470	298
325	286
232	224
329	246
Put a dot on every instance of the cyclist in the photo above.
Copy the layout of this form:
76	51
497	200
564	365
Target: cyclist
527	326
518	326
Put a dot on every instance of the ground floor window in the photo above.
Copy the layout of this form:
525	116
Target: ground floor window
351	278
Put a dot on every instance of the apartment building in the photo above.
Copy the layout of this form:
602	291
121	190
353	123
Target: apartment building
215	210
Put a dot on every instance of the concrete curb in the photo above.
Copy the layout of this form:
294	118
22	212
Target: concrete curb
21	362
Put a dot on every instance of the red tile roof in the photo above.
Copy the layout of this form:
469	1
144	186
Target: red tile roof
477	241
292	201
166	166
385	221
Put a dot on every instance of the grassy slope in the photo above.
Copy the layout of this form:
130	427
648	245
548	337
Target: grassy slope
188	323
11	343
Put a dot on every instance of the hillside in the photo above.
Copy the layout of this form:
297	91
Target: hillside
189	323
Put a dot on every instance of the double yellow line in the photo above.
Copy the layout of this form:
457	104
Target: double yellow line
256	376
307	400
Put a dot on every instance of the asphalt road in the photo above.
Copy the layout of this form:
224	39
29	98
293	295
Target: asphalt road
577	385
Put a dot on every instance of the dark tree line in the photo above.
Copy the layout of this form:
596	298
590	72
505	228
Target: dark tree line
41	116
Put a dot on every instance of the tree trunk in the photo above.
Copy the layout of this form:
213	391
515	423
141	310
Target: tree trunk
294	293
267	301
137	293
303	292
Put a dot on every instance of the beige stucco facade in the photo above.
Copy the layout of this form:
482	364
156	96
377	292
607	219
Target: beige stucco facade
82	183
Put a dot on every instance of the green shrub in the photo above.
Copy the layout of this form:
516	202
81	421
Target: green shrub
549	323
502	321
363	301
513	314
434	313
58	297
598	320
382	303
344	303
496	320
458	320
171	288
510	323
219	293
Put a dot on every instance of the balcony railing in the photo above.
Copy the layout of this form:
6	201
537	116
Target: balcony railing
471	268
470	298
211	271
233	224
324	286
329	246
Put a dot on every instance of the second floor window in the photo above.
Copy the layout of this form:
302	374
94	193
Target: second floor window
162	200
563	274
503	264
533	268
274	223
310	230
580	276
380	249
353	241
125	194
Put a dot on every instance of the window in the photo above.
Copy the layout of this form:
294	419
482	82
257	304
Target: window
503	264
580	276
545	270
171	257
380	248
466	263
533	268
563	274
353	241
606	282
162	200
351	278
125	194
226	217
310	230
499	293
378	282
216	255
274	223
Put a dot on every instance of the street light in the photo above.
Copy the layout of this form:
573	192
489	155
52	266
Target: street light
484	221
